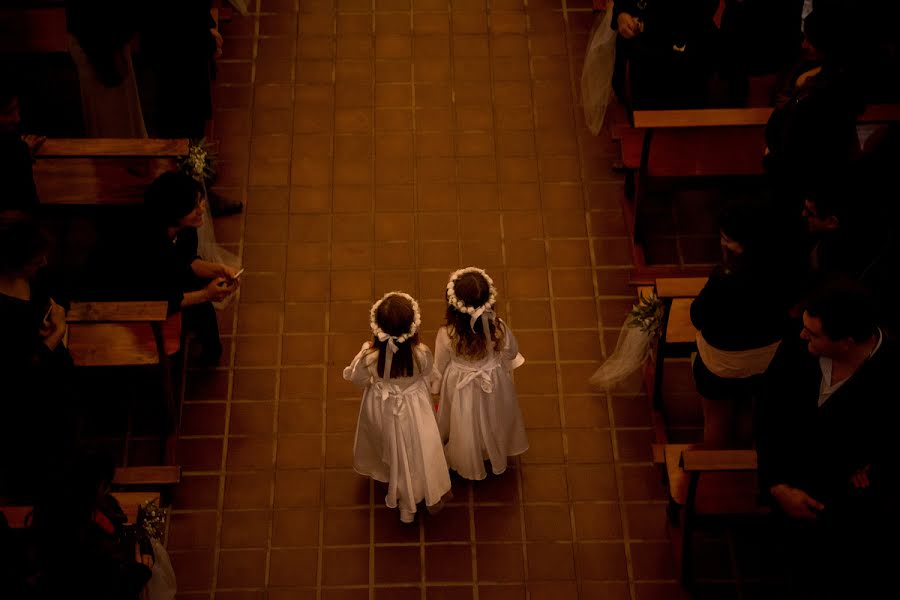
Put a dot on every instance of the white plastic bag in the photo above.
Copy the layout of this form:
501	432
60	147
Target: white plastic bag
596	77
162	584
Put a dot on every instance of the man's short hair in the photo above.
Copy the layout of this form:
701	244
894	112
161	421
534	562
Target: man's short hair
846	309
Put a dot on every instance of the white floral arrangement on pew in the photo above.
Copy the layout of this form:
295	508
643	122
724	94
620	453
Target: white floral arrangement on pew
639	334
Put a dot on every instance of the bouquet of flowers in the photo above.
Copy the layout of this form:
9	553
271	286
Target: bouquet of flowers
200	162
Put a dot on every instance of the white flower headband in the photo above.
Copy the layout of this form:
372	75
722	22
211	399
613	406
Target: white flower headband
485	312
393	340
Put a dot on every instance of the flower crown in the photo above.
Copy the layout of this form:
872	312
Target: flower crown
461	306
384	336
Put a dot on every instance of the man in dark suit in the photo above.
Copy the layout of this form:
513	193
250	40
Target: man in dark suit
826	456
670	50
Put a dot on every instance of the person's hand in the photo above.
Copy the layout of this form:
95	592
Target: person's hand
220	42
796	503
227	271
804	77
53	328
860	479
144	559
628	26
219	288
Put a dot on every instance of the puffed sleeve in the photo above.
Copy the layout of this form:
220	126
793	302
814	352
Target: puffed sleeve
358	371
442	355
511	357
425	360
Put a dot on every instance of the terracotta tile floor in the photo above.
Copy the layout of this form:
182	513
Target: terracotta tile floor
378	147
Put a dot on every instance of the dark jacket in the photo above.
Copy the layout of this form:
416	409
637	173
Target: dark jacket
746	22
99	560
812	135
818	449
667	23
36	382
742	309
16	173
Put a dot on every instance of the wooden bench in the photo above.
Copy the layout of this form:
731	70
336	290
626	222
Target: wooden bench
700	143
154	482
100	171
706	485
33	30
127	334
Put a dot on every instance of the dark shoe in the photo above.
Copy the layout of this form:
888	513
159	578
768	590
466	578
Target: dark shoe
209	355
220	206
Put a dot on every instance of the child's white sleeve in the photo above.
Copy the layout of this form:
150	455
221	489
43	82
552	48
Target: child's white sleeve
426	360
358	372
511	357
441	359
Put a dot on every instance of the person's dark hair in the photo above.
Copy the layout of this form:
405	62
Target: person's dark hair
474	290
395	316
22	239
171	197
756	228
846	309
69	503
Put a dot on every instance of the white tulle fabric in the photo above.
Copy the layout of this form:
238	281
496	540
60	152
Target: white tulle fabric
209	250
631	352
397	438
478	415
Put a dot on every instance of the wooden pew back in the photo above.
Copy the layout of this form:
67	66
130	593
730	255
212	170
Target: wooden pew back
89	172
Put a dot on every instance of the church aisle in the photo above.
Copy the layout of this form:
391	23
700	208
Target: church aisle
379	146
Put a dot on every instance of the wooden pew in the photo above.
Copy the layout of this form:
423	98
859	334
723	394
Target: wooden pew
33	30
677	338
701	143
152	481
92	172
126	334
706	486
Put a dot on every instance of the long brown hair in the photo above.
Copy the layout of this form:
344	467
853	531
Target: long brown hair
474	290
395	316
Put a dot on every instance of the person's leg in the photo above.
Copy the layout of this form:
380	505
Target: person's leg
200	321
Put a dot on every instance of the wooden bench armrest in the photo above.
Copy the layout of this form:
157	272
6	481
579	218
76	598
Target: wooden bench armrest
147	476
712	117
680	287
880	113
112	148
695	460
118	312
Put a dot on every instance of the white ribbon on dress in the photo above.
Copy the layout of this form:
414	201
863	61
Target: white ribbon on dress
486	314
389	357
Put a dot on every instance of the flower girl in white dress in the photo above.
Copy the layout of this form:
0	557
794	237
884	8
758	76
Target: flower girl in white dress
475	353
397	438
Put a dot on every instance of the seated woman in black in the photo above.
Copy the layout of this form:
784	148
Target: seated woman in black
81	547
670	49
740	315
170	264
812	134
35	366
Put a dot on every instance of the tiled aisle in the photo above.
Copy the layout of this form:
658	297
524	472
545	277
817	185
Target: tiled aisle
377	148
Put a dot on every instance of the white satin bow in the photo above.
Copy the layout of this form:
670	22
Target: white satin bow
486	314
